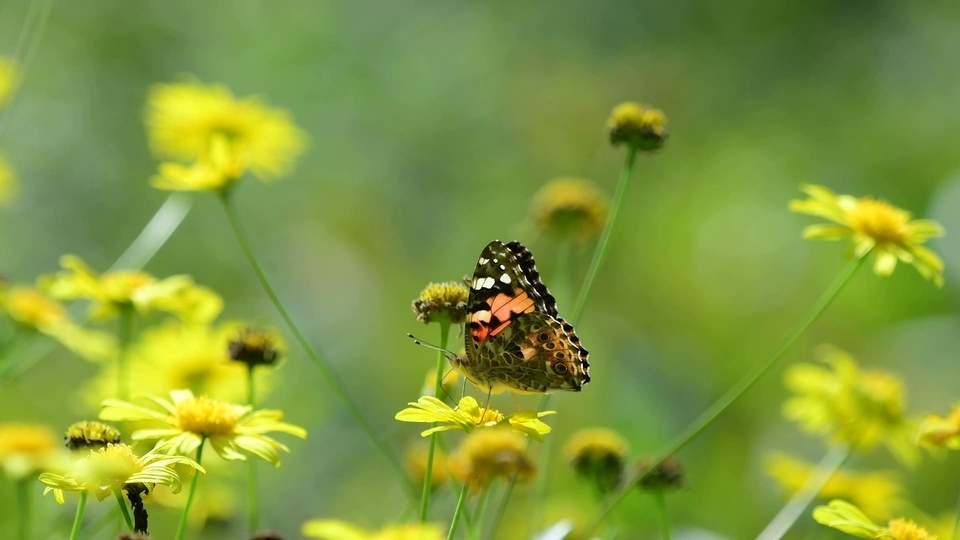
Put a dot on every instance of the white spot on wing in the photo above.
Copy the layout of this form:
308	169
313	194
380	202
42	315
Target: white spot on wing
487	282
483	261
505	278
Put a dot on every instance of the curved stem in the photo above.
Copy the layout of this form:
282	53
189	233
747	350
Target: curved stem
31	34
78	518
123	509
741	387
23	509
477	525
457	512
124	334
787	516
328	374
661	501
604	240
182	528
253	499
502	508
437	393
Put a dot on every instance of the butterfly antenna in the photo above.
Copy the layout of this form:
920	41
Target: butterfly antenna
444	390
450	354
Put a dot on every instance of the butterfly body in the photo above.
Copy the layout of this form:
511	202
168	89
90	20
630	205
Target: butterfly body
514	338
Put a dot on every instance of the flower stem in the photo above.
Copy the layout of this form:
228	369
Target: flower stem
253	501
956	522
78	518
661	501
437	393
787	516
123	509
604	240
325	370
502	508
741	387
182	528
124	334
458	511
23	509
478	513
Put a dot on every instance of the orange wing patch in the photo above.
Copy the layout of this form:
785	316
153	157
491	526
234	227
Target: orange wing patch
502	309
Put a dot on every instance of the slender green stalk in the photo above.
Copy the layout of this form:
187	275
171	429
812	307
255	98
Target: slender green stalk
11	353
182	528
123	509
457	512
78	518
23	509
795	507
604	240
253	499
124	335
437	393
325	370
502	508
956	521
31	34
661	501
477	525
741	387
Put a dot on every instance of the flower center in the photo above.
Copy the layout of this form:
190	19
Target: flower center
34	309
112	465
880	221
25	439
206	417
120	286
904	529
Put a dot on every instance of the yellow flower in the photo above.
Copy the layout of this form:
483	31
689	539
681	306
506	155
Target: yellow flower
9	185
491	453
442	301
185	118
637	126
849	405
873	226
26	449
469	416
570	208
255	347
91	435
667	475
877	494
941	432
33	311
334	529
232	430
112	291
598	455
417	456
107	470
214	502
215	170
9	76
846	517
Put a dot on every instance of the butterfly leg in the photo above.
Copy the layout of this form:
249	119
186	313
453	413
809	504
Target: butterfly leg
487	406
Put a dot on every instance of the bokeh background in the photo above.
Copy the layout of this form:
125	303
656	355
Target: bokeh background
432	125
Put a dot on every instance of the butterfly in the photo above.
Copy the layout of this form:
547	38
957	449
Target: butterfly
514	338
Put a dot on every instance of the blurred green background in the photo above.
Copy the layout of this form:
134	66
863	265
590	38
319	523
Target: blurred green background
432	125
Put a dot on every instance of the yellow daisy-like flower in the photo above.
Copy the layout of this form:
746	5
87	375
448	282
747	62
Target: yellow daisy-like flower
26	449
442	301
877	494
255	347
491	453
849	405
638	126
941	431
598	455
873	226
232	430
9	185
469	416
9	75
107	470
34	311
91	435
417	458
846	517
334	529
216	170
112	291
668	474
184	119
570	208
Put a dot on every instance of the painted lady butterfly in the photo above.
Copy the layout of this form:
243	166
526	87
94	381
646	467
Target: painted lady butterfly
514	338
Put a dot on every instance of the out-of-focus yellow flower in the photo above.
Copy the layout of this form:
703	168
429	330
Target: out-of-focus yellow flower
89	435
668	474
849	405
232	430
941	432
846	517
438	301
33	311
216	170
637	126
174	355
215	501
9	185
570	208
255	346
334	529
184	119
877	494
9	75
488	454
26	449
107	470
873	226
417	457
450	379
112	291
469	416
598	455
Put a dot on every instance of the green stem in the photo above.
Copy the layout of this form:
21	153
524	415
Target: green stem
661	501
502	509
78	518
123	509
604	241
795	507
182	528
253	500
124	334
741	387
325	370
458	511
956	521
23	509
478	513
437	393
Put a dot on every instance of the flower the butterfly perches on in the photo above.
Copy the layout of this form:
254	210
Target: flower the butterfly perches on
469	416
